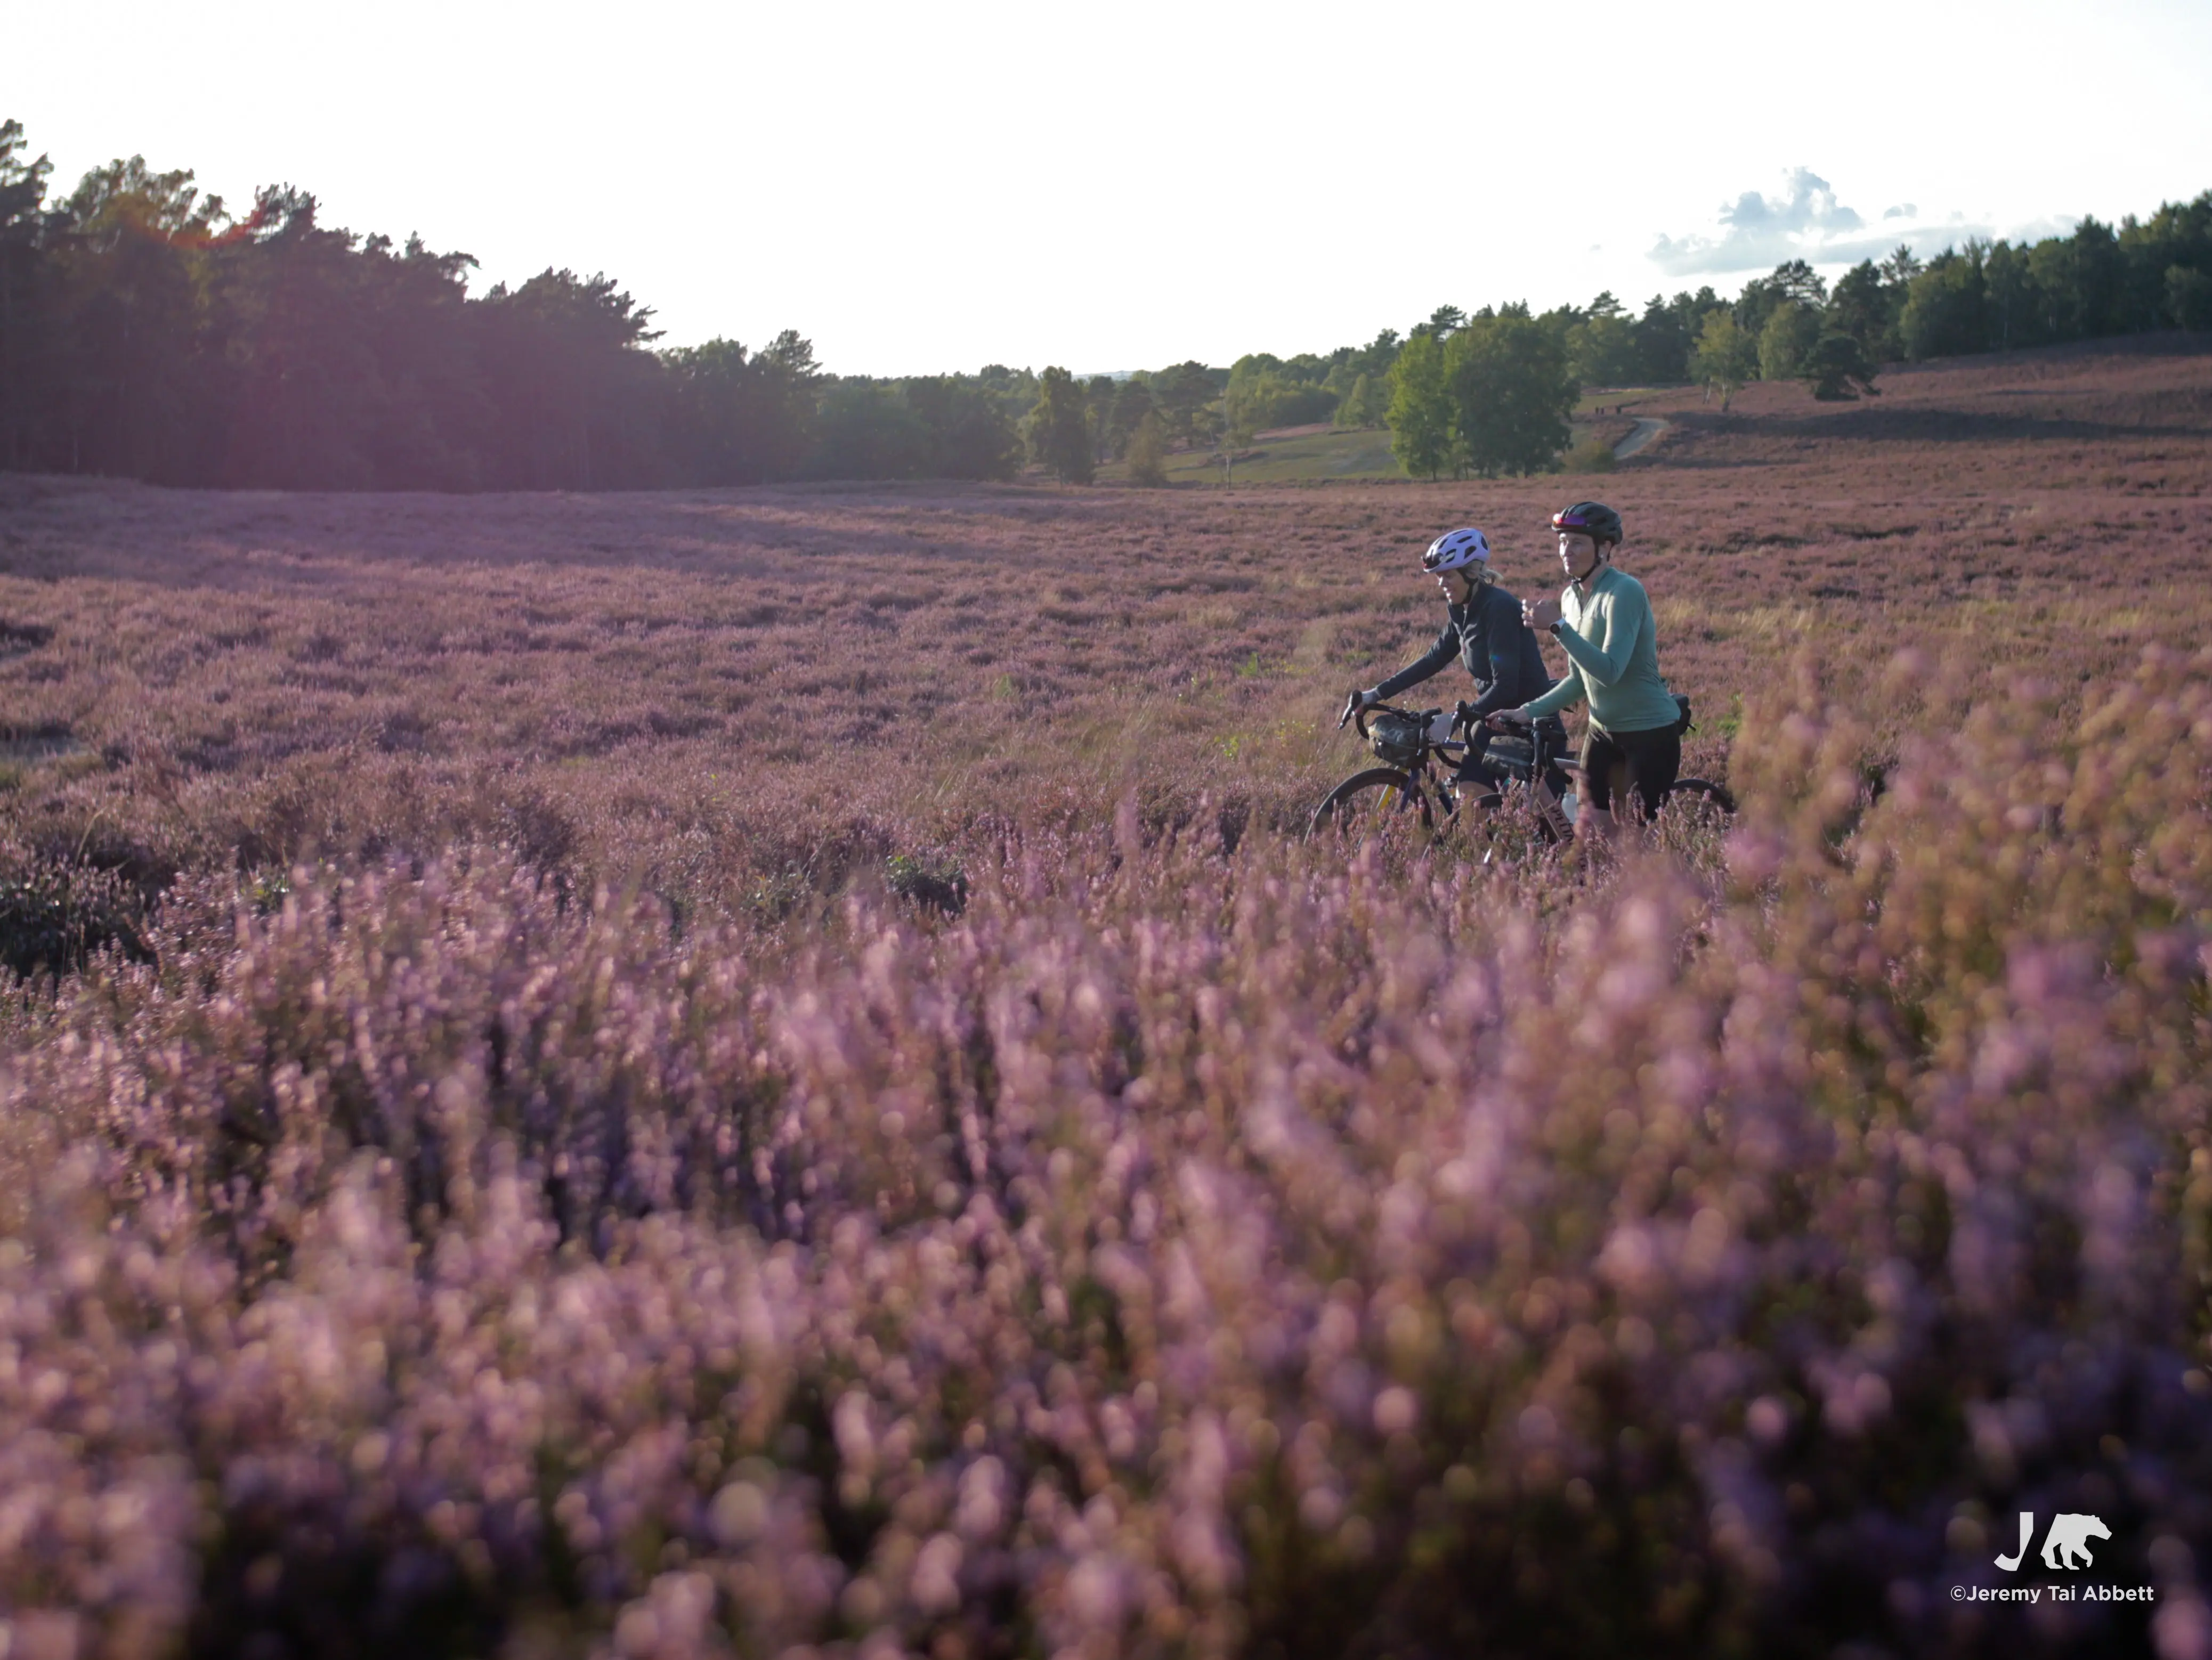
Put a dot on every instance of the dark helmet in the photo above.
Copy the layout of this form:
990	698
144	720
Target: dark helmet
1592	519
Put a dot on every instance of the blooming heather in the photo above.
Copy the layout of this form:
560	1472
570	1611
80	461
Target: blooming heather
517	1187
1181	1250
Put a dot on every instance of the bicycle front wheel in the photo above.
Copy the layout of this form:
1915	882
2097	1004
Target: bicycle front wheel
1378	802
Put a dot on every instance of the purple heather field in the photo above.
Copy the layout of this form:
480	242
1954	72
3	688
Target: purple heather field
764	1073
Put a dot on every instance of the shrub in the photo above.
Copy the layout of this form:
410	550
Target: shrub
1592	455
55	915
1147	453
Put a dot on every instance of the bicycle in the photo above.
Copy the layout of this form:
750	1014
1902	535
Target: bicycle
1406	790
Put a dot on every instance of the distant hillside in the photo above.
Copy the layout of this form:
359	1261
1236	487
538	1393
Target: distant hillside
2110	412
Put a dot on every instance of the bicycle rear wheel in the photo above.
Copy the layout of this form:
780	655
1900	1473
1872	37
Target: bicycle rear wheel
1696	810
1368	806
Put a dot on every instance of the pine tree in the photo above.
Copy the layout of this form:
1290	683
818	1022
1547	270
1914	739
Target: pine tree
1060	428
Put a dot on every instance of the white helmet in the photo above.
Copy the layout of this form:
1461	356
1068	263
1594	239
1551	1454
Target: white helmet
1455	549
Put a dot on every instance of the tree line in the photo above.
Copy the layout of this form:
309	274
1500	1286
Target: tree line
1492	393
146	331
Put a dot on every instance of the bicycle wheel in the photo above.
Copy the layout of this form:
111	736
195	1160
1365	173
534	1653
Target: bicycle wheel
1696	810
1380	802
1506	821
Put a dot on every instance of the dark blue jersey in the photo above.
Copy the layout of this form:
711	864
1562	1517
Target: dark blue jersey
1487	635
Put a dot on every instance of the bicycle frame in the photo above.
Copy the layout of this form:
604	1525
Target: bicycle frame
1544	758
1549	805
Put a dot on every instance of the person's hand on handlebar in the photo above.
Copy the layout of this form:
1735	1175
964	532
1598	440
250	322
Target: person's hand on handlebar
1507	720
1354	704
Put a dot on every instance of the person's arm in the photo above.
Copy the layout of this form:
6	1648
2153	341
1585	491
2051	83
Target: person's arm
1565	694
1627	615
1437	658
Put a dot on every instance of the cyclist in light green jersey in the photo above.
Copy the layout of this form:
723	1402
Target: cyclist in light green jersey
1603	620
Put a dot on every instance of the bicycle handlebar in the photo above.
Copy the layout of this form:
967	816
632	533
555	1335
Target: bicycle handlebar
1358	714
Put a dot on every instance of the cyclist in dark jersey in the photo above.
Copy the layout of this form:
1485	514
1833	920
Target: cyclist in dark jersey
1483	630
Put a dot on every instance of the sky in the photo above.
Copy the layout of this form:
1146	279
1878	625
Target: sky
922	189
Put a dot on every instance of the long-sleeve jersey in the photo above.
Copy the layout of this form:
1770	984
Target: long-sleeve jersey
1487	635
1613	656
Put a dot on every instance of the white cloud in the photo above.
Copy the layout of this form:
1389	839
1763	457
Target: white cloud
1806	221
1757	230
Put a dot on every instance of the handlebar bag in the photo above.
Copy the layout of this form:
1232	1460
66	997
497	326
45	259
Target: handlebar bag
1397	739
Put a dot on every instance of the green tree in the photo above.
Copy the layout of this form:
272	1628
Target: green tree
1099	408
1148	451
1264	392
2017	311
22	219
1060	428
2096	285
1367	404
574	381
130	326
1375	358
1792	328
1419	411
2189	298
1866	309
1836	368
1133	402
1725	357
2179	234
1793	279
1662	339
1182	394
1511	392
1443	323
1945	306
714	391
1602	344
969	433
866	429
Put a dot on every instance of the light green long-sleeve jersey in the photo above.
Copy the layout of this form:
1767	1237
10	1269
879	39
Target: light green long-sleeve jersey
1612	653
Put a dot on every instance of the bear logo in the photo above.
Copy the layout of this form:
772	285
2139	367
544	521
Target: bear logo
2069	1537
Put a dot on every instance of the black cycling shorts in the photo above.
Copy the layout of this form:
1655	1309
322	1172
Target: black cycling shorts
1654	759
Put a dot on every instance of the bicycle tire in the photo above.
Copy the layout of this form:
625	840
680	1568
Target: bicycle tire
1696	803
1474	817
1366	802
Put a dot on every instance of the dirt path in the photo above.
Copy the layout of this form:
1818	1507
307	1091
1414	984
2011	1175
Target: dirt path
1647	428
